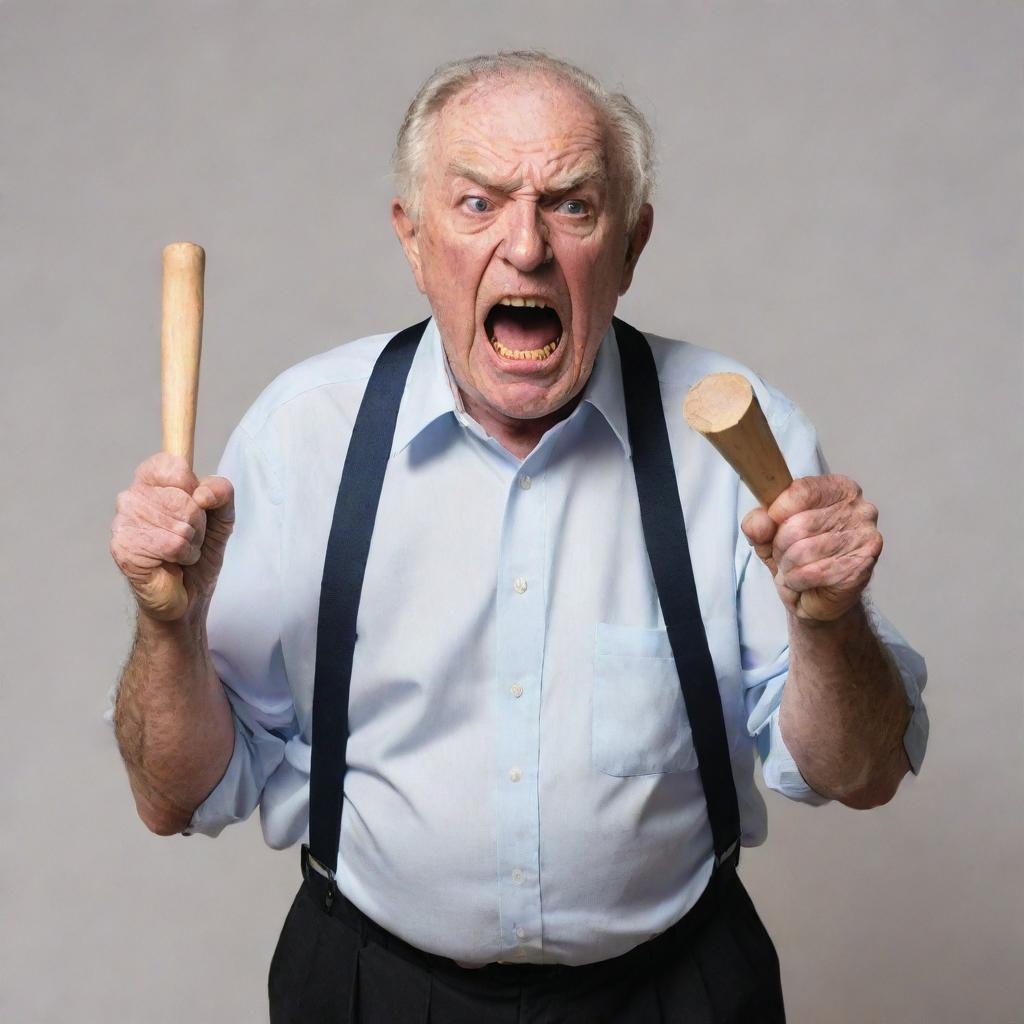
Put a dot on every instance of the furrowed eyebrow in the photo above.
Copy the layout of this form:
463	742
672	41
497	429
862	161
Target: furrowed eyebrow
479	178
590	172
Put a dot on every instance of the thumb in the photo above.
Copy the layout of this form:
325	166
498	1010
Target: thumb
759	528
216	497
215	494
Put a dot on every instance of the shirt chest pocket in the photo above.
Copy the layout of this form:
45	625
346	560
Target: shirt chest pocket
639	724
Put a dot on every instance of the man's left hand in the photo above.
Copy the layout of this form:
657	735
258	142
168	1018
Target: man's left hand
820	541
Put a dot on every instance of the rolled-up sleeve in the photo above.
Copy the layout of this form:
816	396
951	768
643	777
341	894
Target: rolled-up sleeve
244	629
764	635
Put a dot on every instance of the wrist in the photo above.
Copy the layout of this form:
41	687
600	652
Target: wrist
193	616
188	631
854	620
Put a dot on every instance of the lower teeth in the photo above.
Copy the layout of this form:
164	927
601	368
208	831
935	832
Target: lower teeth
533	353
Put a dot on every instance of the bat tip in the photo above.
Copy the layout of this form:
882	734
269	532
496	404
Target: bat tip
718	401
181	253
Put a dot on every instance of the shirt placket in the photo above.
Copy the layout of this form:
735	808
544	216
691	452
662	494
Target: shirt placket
520	631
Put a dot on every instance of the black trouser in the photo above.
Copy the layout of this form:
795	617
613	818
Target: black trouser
715	965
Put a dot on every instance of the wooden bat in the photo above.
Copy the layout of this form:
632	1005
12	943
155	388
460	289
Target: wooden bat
181	340
724	408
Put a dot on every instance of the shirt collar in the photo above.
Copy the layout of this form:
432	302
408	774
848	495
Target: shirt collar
604	389
430	391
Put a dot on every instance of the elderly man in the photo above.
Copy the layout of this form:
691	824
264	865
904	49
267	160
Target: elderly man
461	638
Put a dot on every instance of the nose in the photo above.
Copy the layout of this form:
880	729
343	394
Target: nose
526	237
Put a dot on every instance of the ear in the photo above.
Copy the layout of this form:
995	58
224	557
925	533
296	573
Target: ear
405	228
635	243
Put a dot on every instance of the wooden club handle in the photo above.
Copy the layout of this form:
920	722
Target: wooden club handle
181	340
724	408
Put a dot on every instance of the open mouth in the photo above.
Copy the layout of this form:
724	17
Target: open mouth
523	329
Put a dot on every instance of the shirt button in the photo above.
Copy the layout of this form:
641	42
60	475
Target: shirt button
515	774
519	584
520	932
525	482
518	876
516	690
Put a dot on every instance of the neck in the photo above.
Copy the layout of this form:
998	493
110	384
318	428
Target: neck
519	437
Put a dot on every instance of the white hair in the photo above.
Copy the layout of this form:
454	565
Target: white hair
630	130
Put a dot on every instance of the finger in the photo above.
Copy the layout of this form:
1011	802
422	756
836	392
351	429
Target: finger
849	572
813	492
164	470
138	548
179	504
826	545
165	511
811	523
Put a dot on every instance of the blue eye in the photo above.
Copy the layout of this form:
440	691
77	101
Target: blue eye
574	207
477	204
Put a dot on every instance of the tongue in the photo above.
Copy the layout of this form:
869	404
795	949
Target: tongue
522	328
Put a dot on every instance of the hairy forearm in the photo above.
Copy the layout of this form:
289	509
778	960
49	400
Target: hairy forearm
173	721
844	710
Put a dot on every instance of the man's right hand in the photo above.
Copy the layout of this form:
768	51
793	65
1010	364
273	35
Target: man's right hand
169	519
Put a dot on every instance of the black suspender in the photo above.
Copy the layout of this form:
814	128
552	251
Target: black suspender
665	535
345	564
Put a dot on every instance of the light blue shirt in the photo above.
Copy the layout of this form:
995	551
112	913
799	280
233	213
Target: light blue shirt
522	783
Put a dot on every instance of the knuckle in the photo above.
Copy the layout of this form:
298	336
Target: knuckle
164	469
791	532
803	489
120	531
174	501
191	556
149	468
184	529
171	463
177	549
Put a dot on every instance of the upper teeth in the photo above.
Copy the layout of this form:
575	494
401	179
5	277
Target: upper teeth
514	300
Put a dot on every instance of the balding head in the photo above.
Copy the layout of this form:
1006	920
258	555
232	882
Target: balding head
629	135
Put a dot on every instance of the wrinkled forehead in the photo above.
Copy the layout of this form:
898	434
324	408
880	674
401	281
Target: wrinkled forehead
505	125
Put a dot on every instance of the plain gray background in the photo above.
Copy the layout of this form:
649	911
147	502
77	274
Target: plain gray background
839	207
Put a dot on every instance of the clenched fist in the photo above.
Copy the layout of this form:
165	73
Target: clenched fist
169	519
820	542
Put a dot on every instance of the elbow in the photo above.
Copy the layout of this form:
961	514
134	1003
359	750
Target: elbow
875	792
872	786
161	821
164	826
867	797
